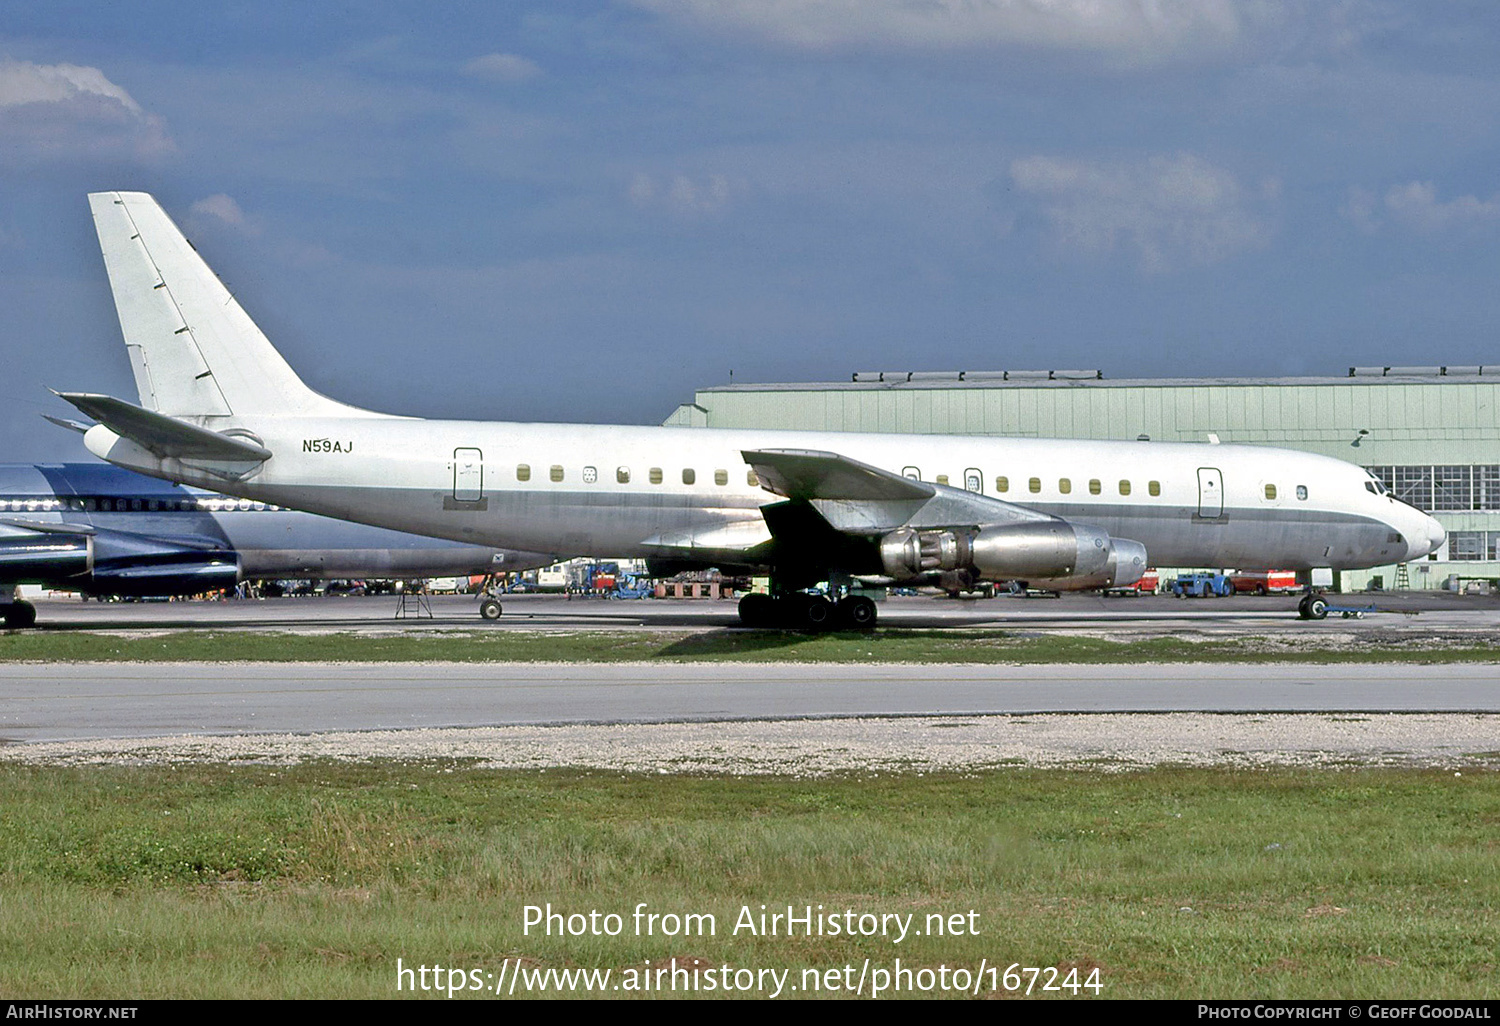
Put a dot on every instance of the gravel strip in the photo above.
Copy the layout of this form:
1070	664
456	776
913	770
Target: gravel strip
816	747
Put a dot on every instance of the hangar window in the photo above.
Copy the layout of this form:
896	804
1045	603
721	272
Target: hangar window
1270	491
523	472
689	475
1065	486
1124	487
942	479
1035	485
1094	487
556	473
622	475
1002	484
751	479
1302	492
721	477
1154	487
1452	488
1466	545
590	475
655	475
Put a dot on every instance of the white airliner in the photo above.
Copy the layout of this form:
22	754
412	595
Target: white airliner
826	515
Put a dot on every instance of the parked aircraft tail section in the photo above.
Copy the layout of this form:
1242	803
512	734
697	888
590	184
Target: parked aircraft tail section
194	350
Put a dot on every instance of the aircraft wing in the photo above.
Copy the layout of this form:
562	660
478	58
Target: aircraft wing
810	474
857	498
162	435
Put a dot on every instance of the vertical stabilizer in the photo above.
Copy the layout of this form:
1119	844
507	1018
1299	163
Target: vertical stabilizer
194	350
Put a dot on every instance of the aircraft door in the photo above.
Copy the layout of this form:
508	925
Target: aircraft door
973	481
468	478
1210	493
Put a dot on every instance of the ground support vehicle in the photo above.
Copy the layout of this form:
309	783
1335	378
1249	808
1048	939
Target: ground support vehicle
1202	586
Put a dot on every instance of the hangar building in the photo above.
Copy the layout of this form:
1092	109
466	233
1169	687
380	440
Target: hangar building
1431	433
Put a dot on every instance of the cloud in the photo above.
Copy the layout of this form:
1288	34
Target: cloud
680	194
68	110
1359	209
1167	209
502	67
225	210
1416	206
1137	29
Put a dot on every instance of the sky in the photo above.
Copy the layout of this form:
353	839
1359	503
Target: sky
583	210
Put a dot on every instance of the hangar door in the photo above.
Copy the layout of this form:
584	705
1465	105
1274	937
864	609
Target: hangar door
1210	493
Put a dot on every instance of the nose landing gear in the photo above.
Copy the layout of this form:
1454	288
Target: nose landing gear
1312	607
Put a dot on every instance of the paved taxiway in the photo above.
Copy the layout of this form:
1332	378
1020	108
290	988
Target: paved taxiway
1146	616
71	701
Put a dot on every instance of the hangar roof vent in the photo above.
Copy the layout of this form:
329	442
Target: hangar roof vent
1418	372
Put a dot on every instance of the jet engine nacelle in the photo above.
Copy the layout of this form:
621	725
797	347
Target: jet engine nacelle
1045	550
129	564
1126	565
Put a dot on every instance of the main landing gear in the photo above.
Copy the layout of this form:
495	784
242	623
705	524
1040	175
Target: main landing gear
805	611
18	615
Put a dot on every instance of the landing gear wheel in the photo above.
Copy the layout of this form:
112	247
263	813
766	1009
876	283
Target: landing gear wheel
858	612
814	612
489	609
20	615
1317	608
757	610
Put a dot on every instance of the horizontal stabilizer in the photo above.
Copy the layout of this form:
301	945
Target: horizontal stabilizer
809	474
165	436
64	422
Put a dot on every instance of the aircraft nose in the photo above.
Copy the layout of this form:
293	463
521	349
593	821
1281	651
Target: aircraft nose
1436	535
1428	538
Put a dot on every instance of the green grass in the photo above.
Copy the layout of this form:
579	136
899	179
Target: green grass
253	881
890	645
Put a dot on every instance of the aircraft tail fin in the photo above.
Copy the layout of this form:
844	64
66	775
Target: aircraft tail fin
194	350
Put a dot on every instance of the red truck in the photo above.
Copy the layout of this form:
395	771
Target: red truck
1265	582
1147	585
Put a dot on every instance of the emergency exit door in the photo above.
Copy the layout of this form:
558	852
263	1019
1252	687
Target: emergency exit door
1210	493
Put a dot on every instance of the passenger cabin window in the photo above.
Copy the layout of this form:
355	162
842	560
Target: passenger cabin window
751	479
655	475
1002	484
1124	487
942	479
556	473
689	475
523	472
622	475
1065	486
1154	487
1302	492
721	477
1094	487
1270	491
1035	485
590	475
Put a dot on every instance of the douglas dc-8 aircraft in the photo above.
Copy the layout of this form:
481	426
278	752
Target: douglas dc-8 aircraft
100	530
824	514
